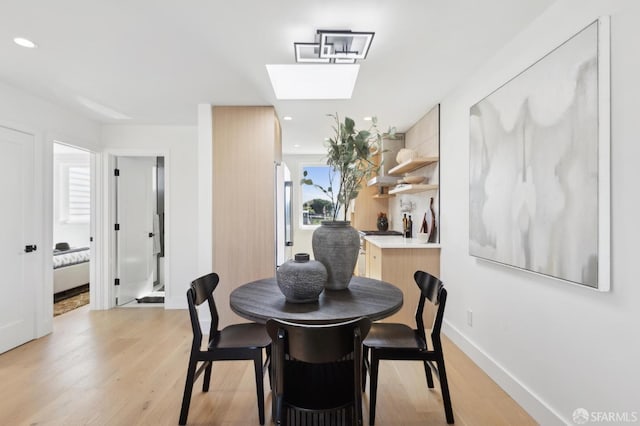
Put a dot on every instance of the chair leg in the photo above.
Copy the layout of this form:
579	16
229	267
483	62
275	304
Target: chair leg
373	386
268	364
207	377
365	353
427	372
277	412
188	388
257	363
444	387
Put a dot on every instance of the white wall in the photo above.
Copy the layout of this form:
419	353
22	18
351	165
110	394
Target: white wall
179	144
553	346
48	122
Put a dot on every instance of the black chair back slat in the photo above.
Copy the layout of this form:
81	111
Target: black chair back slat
195	320
318	343
431	288
203	288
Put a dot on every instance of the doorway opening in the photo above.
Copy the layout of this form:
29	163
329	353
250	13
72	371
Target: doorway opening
139	231
71	227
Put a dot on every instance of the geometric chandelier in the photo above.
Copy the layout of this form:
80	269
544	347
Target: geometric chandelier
335	46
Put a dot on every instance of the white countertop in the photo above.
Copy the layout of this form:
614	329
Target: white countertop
395	241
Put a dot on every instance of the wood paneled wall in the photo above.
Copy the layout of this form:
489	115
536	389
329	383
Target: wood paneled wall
423	137
246	145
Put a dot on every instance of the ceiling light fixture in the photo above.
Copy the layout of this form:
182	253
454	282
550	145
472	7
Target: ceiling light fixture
335	46
367	118
24	42
287	118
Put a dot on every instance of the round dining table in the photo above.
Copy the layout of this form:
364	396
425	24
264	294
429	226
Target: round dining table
365	297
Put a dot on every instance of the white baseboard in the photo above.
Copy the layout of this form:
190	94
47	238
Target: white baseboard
532	403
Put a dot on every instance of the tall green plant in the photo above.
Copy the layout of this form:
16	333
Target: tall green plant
349	153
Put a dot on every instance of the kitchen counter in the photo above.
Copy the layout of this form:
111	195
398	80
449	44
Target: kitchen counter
395	259
398	242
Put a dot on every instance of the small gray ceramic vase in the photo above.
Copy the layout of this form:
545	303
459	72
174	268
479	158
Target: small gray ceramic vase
301	280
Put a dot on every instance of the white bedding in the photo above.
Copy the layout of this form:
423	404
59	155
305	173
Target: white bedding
70	269
71	257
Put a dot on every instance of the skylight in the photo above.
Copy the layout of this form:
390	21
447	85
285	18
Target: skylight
313	81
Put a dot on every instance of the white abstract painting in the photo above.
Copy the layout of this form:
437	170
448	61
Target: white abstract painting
534	166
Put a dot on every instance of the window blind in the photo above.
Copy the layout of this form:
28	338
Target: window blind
79	201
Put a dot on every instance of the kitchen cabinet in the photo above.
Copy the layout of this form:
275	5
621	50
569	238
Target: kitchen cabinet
396	264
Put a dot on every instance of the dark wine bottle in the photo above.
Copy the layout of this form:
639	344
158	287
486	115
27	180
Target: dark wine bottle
434	228
410	226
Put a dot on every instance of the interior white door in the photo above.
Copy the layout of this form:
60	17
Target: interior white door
134	215
17	262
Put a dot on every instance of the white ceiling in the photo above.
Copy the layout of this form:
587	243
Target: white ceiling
155	60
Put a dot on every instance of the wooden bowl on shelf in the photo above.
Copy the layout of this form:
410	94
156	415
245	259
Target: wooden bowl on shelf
413	179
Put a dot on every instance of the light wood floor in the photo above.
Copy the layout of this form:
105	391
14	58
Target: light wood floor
127	367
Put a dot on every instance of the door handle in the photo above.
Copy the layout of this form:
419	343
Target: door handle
30	248
151	234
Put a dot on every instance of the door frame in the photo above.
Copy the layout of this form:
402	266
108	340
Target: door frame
108	293
95	262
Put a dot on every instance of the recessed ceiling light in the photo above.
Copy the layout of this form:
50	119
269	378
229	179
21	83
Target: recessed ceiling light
367	119
313	81
287	118
21	41
296	145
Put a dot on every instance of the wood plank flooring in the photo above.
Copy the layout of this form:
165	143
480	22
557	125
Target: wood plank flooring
127	367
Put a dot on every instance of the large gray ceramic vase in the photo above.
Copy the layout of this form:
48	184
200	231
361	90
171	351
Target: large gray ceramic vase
336	245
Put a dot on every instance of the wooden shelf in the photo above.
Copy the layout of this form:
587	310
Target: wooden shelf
412	189
411	165
382	196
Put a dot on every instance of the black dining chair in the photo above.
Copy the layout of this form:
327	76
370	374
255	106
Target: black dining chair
317	372
234	342
392	341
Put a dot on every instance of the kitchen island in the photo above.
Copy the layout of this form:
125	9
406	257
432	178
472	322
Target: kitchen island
395	259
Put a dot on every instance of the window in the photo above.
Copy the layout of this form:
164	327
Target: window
77	203
316	203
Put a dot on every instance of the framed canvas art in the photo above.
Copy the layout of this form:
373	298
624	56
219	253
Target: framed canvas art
539	173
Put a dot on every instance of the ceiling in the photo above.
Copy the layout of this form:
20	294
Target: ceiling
155	60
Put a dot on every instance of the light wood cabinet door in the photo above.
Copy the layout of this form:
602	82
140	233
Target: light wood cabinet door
397	266
246	146
374	262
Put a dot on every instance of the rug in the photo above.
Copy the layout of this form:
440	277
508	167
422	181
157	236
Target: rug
151	299
71	303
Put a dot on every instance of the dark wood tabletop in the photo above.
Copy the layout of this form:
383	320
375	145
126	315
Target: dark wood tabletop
262	299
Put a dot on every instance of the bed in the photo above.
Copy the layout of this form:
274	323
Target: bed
70	268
